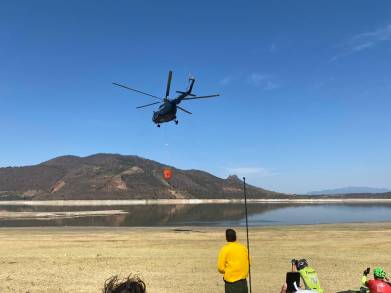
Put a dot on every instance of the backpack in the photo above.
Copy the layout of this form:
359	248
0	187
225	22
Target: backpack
311	280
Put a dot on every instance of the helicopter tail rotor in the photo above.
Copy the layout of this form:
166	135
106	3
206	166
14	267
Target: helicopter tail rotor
190	77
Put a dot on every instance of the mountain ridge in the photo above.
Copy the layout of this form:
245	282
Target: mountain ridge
349	190
115	176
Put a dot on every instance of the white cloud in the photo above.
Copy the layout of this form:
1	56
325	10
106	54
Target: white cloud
250	171
257	78
264	81
363	46
382	34
364	41
226	80
272	48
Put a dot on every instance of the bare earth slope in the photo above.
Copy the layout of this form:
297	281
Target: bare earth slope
111	176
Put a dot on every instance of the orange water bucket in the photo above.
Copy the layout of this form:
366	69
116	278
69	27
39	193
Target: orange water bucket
167	173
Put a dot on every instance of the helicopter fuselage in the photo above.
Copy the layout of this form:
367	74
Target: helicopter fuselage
167	110
165	113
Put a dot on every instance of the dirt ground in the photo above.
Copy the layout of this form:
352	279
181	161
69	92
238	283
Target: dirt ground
169	260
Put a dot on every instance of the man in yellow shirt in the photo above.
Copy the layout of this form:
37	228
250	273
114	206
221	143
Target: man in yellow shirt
233	263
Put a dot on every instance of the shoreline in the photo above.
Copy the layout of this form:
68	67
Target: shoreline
186	201
201	229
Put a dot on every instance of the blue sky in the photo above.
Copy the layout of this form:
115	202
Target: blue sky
305	87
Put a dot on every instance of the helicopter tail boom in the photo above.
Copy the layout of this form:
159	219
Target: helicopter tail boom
191	81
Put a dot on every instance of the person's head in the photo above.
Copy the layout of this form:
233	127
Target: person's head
378	273
301	264
230	235
131	284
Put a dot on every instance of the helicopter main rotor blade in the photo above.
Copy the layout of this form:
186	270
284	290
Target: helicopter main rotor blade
147	105
201	97
168	83
126	87
184	110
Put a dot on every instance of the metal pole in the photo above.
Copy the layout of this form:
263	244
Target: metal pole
248	240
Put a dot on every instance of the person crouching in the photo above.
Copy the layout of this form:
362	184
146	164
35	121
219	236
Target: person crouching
308	274
380	283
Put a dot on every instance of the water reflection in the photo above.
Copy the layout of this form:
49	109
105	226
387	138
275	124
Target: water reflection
207	215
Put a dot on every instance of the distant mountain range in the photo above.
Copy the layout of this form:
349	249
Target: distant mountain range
349	190
112	176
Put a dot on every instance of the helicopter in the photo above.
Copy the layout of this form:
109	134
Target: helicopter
168	108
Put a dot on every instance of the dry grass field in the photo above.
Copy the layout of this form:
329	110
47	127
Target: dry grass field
79	260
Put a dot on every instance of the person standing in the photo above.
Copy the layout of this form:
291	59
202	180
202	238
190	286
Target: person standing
233	263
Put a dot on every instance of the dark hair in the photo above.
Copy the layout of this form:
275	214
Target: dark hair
301	264
230	235
131	284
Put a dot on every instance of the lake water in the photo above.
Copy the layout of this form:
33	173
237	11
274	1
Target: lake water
215	215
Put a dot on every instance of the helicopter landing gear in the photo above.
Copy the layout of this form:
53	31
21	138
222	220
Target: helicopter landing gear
176	122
